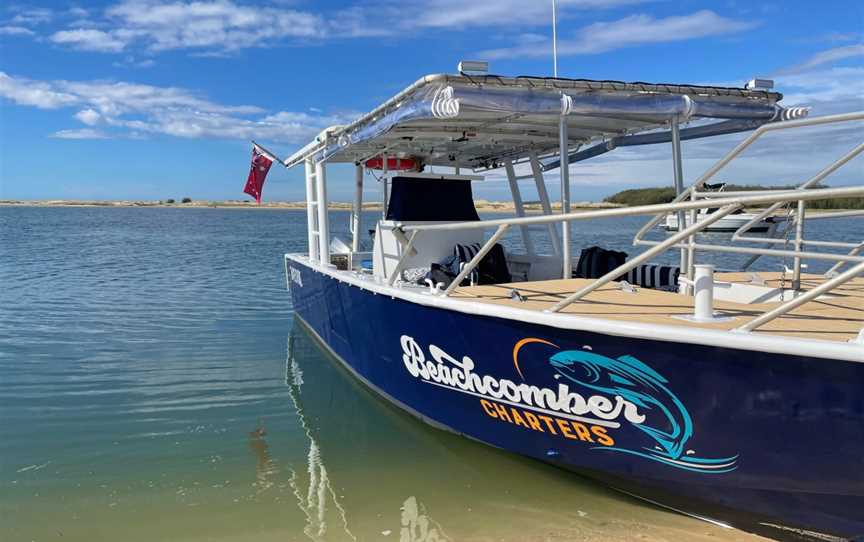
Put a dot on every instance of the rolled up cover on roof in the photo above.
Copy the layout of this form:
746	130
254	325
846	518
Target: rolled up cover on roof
528	101
447	101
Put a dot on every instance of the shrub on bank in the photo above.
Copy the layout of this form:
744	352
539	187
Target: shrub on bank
642	196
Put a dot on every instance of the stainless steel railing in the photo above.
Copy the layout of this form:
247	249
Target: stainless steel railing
724	207
694	193
691	201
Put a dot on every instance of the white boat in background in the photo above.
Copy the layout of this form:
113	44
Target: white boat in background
729	223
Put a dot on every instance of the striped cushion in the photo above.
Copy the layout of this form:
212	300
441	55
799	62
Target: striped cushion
463	255
654	276
466	253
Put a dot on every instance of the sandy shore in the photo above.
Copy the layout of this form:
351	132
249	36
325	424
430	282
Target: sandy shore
482	205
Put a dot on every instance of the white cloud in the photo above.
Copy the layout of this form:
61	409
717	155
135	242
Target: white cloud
827	57
827	90
219	24
89	39
15	31
33	16
35	93
627	32
459	13
88	116
129	109
132	62
215	27
78	12
82	133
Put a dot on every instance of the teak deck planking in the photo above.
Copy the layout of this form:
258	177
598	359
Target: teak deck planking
837	316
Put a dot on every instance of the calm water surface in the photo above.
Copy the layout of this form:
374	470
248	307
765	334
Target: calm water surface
153	386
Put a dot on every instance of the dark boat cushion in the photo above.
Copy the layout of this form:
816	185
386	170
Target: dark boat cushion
594	262
492	269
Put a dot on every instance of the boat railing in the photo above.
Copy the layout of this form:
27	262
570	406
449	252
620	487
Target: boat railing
796	218
722	207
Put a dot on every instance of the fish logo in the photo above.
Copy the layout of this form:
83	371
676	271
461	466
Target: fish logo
671	424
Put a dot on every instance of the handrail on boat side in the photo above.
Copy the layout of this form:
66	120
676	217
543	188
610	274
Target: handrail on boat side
741	147
854	252
642	210
645	256
724	207
797	301
692	193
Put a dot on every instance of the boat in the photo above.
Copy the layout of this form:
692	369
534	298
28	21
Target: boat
733	396
729	223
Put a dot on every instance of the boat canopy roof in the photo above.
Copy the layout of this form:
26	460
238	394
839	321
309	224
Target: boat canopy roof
478	121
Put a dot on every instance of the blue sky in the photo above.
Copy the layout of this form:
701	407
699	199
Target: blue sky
156	99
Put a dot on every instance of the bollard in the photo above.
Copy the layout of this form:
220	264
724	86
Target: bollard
703	296
703	293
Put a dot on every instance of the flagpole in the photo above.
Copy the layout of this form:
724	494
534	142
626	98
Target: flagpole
554	38
564	153
272	156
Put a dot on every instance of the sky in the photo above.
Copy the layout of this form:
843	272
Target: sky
157	99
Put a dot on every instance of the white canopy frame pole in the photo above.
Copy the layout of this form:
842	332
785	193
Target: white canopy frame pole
357	208
323	215
311	210
545	204
678	171
384	188
564	151
564	137
799	246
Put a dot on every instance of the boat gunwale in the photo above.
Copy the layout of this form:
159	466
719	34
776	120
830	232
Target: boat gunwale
763	342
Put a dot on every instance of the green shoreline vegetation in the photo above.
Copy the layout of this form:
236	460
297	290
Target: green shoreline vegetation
653	196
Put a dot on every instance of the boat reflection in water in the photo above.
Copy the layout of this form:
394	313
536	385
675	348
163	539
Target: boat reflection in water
373	473
313	502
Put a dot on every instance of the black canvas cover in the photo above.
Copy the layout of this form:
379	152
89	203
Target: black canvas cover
414	199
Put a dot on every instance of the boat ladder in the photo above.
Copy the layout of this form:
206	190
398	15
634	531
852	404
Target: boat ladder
540	183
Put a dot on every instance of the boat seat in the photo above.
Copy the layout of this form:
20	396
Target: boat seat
524	267
594	262
429	247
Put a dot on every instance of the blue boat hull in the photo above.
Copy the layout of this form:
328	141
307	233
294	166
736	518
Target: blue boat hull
770	443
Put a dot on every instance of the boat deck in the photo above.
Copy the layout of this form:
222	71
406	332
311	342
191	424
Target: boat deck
838	316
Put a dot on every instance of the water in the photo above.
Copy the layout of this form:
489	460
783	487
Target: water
154	387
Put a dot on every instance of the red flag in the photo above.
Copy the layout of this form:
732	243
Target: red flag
257	174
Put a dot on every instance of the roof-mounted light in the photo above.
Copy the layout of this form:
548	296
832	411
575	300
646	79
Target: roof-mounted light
473	67
759	84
